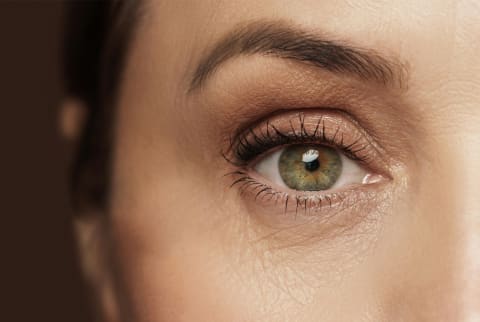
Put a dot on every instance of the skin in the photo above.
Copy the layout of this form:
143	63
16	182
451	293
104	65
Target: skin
178	244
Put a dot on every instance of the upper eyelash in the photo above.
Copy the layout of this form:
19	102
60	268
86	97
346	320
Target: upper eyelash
244	150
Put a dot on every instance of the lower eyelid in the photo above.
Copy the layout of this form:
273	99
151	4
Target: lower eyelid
326	213
251	185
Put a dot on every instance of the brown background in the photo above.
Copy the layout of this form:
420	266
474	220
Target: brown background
40	279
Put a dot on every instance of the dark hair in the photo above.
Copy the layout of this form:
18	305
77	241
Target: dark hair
96	40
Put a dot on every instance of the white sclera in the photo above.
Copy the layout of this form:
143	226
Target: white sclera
351	173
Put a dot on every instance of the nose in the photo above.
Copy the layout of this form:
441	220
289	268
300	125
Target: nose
467	206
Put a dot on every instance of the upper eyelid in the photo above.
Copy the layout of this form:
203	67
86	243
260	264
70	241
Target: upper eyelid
242	144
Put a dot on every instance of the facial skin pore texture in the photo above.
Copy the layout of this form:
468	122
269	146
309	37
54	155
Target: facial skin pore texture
294	161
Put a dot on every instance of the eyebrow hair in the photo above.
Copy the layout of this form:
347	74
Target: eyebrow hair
281	40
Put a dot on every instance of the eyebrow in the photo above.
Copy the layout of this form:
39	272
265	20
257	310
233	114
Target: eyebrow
281	40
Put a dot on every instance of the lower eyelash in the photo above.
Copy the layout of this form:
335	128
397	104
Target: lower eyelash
245	183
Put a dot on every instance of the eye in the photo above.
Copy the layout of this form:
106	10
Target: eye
307	167
306	160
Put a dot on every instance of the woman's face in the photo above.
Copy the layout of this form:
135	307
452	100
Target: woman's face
298	161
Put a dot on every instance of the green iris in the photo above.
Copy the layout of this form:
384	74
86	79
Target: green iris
310	168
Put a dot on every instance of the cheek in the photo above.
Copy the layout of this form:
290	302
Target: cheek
186	251
172	242
180	258
186	248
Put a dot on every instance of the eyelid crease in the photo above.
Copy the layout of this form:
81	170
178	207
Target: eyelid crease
302	127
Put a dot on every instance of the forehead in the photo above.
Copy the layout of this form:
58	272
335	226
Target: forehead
359	18
436	39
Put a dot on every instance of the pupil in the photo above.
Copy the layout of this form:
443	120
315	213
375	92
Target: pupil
312	166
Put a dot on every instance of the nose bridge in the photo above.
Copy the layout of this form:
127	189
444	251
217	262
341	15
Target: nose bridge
439	268
443	243
467	205
438	275
455	281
